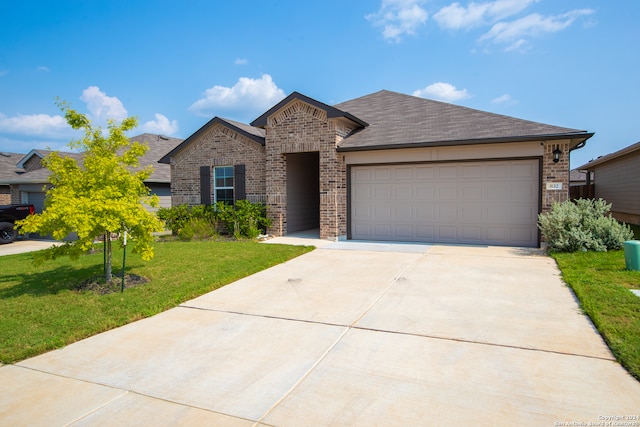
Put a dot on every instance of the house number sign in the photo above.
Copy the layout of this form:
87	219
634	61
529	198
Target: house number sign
554	186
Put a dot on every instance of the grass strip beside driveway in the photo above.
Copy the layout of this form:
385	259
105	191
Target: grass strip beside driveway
602	284
40	309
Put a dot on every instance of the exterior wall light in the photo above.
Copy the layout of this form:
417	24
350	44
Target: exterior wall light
556	155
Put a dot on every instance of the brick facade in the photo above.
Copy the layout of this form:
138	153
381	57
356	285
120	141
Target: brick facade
16	197
301	128
301	125
5	195
34	163
219	146
555	173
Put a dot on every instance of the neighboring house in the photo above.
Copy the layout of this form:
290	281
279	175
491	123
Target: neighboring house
617	180
577	178
580	185
28	181
385	166
8	170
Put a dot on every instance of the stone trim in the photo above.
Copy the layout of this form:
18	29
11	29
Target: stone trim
293	108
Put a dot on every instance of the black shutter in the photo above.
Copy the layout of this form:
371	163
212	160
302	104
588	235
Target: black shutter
239	186
205	185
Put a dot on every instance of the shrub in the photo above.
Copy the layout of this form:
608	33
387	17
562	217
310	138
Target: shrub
583	226
198	229
245	219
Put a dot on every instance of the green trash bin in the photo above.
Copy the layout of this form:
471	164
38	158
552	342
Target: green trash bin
632	254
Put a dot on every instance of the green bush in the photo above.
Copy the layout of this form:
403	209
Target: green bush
198	229
245	219
583	226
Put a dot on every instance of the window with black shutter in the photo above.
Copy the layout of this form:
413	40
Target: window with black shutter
223	184
205	185
239	181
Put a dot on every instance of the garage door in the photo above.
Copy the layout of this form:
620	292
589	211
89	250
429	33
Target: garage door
487	203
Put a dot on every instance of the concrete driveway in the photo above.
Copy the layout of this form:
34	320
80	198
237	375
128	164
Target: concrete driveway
25	245
350	334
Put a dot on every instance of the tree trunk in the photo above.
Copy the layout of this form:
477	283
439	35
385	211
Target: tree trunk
107	270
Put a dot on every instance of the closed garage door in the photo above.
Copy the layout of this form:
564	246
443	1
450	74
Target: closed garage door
487	203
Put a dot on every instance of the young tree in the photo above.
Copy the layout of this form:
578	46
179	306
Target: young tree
102	194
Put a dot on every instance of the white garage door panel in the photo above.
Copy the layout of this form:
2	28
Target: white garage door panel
491	202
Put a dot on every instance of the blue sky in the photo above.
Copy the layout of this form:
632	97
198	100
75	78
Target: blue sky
176	64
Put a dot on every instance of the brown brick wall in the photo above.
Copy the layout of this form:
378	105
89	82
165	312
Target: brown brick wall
555	172
296	128
219	146
5	195
16	197
34	163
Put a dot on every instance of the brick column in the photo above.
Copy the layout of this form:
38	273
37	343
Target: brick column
555	173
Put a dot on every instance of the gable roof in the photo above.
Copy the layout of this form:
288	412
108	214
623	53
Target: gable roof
8	165
158	145
36	152
332	112
401	121
604	159
251	132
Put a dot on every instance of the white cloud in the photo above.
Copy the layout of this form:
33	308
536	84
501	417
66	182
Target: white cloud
43	68
246	96
456	16
514	34
502	99
102	107
161	125
4	72
399	18
443	92
241	61
35	124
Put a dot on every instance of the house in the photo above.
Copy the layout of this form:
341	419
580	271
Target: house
617	180
28	177
8	170
385	166
578	178
580	185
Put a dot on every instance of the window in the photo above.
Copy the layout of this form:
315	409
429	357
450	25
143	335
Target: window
223	184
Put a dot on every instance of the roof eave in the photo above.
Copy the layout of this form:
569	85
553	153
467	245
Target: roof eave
216	120
609	157
581	137
332	112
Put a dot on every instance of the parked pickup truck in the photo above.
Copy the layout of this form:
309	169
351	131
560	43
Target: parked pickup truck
9	214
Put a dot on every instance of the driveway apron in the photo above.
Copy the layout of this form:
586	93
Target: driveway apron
349	334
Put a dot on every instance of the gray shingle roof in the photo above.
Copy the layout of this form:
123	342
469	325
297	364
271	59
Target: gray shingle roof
8	165
398	120
158	146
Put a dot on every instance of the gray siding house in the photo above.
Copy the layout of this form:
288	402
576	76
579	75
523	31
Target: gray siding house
385	166
27	179
617	180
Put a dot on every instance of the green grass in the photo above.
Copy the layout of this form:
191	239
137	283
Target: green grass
601	283
41	311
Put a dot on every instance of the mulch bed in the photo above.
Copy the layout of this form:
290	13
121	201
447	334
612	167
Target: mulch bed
99	286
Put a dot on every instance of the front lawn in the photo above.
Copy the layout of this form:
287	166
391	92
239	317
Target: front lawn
41	310
601	283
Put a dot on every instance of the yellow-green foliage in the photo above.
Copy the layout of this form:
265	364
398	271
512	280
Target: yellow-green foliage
101	194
